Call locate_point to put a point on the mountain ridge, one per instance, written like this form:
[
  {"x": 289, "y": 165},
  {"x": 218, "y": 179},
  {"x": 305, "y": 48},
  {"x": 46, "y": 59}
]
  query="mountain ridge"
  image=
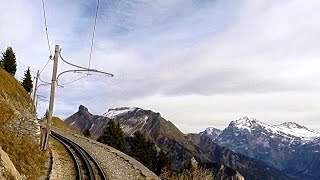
[
  {"x": 169, "y": 138},
  {"x": 281, "y": 146}
]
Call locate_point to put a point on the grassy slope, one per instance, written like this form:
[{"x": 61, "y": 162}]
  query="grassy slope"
[
  {"x": 25, "y": 155},
  {"x": 57, "y": 122}
]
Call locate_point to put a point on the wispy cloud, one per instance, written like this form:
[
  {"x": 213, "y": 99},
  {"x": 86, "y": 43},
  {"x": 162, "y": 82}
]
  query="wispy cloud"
[{"x": 191, "y": 51}]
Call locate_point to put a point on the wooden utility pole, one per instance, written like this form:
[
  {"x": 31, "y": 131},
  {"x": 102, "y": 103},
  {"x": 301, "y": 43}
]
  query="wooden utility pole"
[
  {"x": 51, "y": 103},
  {"x": 34, "y": 108},
  {"x": 54, "y": 83}
]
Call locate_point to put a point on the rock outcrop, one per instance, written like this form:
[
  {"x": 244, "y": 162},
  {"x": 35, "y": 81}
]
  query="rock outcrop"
[{"x": 7, "y": 169}]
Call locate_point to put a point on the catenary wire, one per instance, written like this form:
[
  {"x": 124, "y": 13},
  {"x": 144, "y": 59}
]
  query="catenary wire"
[
  {"x": 27, "y": 67},
  {"x": 74, "y": 80},
  {"x": 45, "y": 65},
  {"x": 93, "y": 33},
  {"x": 46, "y": 26}
]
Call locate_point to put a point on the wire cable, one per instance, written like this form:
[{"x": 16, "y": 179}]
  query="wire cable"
[
  {"x": 45, "y": 66},
  {"x": 93, "y": 33},
  {"x": 46, "y": 26},
  {"x": 27, "y": 67},
  {"x": 73, "y": 80},
  {"x": 44, "y": 81}
]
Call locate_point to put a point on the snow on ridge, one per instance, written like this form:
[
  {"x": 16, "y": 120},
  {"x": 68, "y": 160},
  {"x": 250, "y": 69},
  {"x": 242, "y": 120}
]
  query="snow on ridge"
[
  {"x": 288, "y": 129},
  {"x": 298, "y": 131},
  {"x": 212, "y": 131},
  {"x": 112, "y": 113}
]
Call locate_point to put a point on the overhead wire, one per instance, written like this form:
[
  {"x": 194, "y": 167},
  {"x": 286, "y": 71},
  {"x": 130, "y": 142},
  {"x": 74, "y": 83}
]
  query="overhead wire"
[
  {"x": 45, "y": 65},
  {"x": 46, "y": 26},
  {"x": 74, "y": 80},
  {"x": 91, "y": 47},
  {"x": 26, "y": 67},
  {"x": 93, "y": 33}
]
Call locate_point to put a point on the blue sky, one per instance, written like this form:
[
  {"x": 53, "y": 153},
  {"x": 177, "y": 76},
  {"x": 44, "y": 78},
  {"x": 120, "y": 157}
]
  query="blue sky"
[{"x": 199, "y": 63}]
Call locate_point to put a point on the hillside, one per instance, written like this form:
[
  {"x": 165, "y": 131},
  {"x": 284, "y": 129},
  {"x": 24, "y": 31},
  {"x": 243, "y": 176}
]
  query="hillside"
[
  {"x": 14, "y": 100},
  {"x": 16, "y": 138}
]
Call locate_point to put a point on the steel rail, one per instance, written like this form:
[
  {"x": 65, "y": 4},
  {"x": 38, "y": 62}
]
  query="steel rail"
[
  {"x": 73, "y": 157},
  {"x": 84, "y": 155}
]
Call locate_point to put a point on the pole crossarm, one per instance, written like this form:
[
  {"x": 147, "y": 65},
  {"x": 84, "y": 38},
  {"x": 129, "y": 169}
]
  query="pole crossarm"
[
  {"x": 54, "y": 83},
  {"x": 69, "y": 62},
  {"x": 81, "y": 69}
]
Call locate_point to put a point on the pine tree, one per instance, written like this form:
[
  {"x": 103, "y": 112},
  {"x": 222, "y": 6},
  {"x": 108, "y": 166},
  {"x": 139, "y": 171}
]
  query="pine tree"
[
  {"x": 144, "y": 151},
  {"x": 87, "y": 133},
  {"x": 8, "y": 61},
  {"x": 113, "y": 136},
  {"x": 27, "y": 81},
  {"x": 163, "y": 161}
]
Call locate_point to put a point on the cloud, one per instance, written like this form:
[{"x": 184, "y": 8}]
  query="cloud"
[{"x": 169, "y": 51}]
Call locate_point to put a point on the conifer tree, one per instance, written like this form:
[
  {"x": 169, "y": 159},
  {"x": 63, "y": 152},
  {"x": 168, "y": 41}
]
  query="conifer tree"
[
  {"x": 162, "y": 162},
  {"x": 87, "y": 133},
  {"x": 8, "y": 61},
  {"x": 27, "y": 81},
  {"x": 113, "y": 136},
  {"x": 144, "y": 150}
]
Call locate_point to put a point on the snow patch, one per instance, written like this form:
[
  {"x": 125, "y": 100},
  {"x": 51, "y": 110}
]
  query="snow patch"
[
  {"x": 289, "y": 130},
  {"x": 112, "y": 113}
]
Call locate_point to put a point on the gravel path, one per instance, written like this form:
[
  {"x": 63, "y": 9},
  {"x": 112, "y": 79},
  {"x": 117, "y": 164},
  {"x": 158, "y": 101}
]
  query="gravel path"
[
  {"x": 62, "y": 164},
  {"x": 116, "y": 165}
]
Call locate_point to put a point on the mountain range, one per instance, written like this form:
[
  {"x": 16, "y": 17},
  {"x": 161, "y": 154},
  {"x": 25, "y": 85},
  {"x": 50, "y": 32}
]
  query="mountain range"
[
  {"x": 181, "y": 147},
  {"x": 289, "y": 147}
]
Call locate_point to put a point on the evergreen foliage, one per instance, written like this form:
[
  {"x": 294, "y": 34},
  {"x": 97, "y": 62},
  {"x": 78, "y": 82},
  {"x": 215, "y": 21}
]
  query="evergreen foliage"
[
  {"x": 8, "y": 61},
  {"x": 87, "y": 133},
  {"x": 162, "y": 162},
  {"x": 27, "y": 81},
  {"x": 144, "y": 151},
  {"x": 113, "y": 136}
]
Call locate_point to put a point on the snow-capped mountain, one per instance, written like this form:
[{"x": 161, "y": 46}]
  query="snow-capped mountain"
[
  {"x": 278, "y": 145},
  {"x": 287, "y": 130},
  {"x": 169, "y": 138},
  {"x": 132, "y": 118},
  {"x": 211, "y": 132}
]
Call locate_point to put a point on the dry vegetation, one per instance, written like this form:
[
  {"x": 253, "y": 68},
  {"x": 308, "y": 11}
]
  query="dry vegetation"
[
  {"x": 24, "y": 154},
  {"x": 57, "y": 122},
  {"x": 12, "y": 97},
  {"x": 197, "y": 173}
]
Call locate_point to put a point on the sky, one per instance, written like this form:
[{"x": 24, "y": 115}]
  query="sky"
[{"x": 200, "y": 63}]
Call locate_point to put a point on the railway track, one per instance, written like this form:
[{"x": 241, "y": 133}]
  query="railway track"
[{"x": 85, "y": 166}]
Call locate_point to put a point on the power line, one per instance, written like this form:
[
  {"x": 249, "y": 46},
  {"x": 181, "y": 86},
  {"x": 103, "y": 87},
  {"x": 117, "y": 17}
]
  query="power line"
[
  {"x": 26, "y": 67},
  {"x": 93, "y": 33},
  {"x": 74, "y": 80},
  {"x": 46, "y": 25},
  {"x": 45, "y": 65}
]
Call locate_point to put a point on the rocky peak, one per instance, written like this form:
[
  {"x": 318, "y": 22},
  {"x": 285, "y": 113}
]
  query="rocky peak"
[
  {"x": 246, "y": 121},
  {"x": 211, "y": 132},
  {"x": 83, "y": 109}
]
